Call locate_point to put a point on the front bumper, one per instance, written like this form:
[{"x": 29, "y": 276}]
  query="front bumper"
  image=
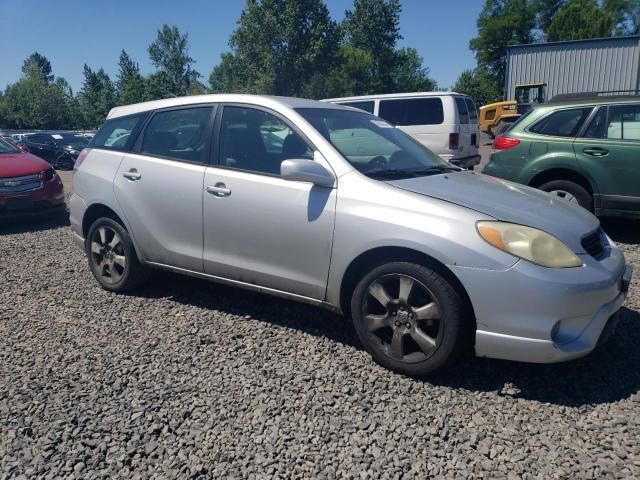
[
  {"x": 48, "y": 198},
  {"x": 534, "y": 314}
]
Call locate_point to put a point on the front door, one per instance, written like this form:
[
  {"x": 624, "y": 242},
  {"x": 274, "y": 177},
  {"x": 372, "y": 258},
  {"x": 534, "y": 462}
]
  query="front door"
[
  {"x": 259, "y": 228},
  {"x": 609, "y": 152},
  {"x": 160, "y": 186}
]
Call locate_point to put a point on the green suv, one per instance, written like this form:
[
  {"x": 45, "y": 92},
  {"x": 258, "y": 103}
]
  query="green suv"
[{"x": 586, "y": 151}]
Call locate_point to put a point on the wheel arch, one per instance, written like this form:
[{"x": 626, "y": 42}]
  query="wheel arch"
[
  {"x": 562, "y": 174},
  {"x": 381, "y": 255},
  {"x": 98, "y": 210}
]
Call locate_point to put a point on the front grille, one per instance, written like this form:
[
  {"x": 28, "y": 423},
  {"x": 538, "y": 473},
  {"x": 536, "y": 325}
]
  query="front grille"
[
  {"x": 593, "y": 243},
  {"x": 25, "y": 183}
]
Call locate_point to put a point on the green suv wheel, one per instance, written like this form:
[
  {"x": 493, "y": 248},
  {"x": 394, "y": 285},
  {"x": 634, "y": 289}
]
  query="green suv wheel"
[{"x": 569, "y": 191}]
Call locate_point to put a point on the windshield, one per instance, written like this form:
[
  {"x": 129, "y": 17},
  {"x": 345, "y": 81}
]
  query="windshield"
[
  {"x": 370, "y": 144},
  {"x": 6, "y": 147}
]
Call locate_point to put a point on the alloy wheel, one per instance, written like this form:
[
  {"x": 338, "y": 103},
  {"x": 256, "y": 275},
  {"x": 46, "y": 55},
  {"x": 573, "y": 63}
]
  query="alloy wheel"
[
  {"x": 564, "y": 195},
  {"x": 107, "y": 254},
  {"x": 404, "y": 318}
]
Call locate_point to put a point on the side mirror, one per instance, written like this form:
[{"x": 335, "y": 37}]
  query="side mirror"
[{"x": 299, "y": 170}]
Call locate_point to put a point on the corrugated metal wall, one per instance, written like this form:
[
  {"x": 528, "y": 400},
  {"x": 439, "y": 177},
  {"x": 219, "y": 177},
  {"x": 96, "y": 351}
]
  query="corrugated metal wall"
[{"x": 580, "y": 66}]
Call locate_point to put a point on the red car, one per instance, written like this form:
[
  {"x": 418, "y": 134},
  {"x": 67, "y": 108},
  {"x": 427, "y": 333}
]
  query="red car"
[{"x": 28, "y": 184}]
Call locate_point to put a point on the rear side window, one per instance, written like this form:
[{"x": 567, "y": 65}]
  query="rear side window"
[
  {"x": 365, "y": 106},
  {"x": 412, "y": 111},
  {"x": 463, "y": 113},
  {"x": 624, "y": 122},
  {"x": 562, "y": 123},
  {"x": 179, "y": 134},
  {"x": 117, "y": 134},
  {"x": 473, "y": 112}
]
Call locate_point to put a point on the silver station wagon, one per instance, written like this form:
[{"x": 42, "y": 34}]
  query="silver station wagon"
[{"x": 332, "y": 206}]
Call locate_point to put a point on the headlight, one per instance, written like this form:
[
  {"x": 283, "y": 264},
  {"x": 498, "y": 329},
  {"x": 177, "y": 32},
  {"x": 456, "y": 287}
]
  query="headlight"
[{"x": 529, "y": 243}]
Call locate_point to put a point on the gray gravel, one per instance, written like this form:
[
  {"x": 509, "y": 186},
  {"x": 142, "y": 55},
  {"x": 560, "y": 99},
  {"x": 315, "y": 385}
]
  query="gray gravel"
[{"x": 187, "y": 379}]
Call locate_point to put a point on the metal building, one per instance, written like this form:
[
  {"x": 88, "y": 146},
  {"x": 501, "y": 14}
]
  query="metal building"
[{"x": 575, "y": 66}]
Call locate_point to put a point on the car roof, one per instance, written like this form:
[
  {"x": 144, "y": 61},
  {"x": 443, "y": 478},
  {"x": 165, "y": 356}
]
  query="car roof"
[
  {"x": 260, "y": 100},
  {"x": 394, "y": 95},
  {"x": 591, "y": 100}
]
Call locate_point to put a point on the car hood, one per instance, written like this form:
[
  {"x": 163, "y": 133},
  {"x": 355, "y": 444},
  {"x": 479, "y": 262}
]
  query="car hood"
[
  {"x": 18, "y": 164},
  {"x": 508, "y": 202}
]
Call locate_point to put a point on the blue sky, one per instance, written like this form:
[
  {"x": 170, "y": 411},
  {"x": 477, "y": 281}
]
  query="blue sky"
[{"x": 73, "y": 32}]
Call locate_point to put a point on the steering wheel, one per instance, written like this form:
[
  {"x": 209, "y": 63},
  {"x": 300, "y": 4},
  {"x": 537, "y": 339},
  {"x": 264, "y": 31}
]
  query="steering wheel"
[{"x": 377, "y": 163}]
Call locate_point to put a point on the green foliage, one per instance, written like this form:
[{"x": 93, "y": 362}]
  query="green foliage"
[
  {"x": 130, "y": 85},
  {"x": 292, "y": 47},
  {"x": 96, "y": 97},
  {"x": 42, "y": 64},
  {"x": 479, "y": 85},
  {"x": 169, "y": 53},
  {"x": 580, "y": 19}
]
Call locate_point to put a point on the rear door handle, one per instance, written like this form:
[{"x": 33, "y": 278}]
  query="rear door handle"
[
  {"x": 219, "y": 190},
  {"x": 596, "y": 151},
  {"x": 132, "y": 175}
]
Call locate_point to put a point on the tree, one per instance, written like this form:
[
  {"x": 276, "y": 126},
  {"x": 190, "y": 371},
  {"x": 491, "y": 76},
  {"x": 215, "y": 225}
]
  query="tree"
[
  {"x": 96, "y": 97},
  {"x": 501, "y": 23},
  {"x": 408, "y": 73},
  {"x": 625, "y": 15},
  {"x": 374, "y": 27},
  {"x": 580, "y": 19},
  {"x": 278, "y": 47},
  {"x": 130, "y": 85},
  {"x": 545, "y": 10},
  {"x": 169, "y": 53},
  {"x": 479, "y": 85},
  {"x": 42, "y": 64}
]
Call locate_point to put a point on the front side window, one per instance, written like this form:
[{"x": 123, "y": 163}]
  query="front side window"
[
  {"x": 366, "y": 106},
  {"x": 562, "y": 123},
  {"x": 371, "y": 145},
  {"x": 115, "y": 134},
  {"x": 412, "y": 111},
  {"x": 257, "y": 141},
  {"x": 624, "y": 122},
  {"x": 178, "y": 134}
]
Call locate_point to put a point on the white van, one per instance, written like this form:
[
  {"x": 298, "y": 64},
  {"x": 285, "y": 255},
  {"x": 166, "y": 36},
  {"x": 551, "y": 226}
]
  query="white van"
[{"x": 445, "y": 122}]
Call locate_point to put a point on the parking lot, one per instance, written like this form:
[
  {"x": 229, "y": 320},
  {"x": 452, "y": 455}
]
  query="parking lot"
[{"x": 186, "y": 378}]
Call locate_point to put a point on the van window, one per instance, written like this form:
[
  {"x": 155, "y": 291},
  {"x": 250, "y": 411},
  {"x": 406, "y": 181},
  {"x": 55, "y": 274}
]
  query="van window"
[
  {"x": 116, "y": 134},
  {"x": 463, "y": 113},
  {"x": 473, "y": 112},
  {"x": 178, "y": 134},
  {"x": 562, "y": 123},
  {"x": 365, "y": 106},
  {"x": 412, "y": 111}
]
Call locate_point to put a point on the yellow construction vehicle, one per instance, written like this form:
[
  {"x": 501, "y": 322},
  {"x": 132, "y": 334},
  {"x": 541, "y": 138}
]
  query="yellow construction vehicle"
[{"x": 495, "y": 118}]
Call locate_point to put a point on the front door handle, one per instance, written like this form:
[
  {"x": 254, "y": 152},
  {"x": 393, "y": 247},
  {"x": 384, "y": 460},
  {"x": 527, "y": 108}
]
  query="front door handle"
[
  {"x": 132, "y": 175},
  {"x": 219, "y": 190},
  {"x": 596, "y": 151}
]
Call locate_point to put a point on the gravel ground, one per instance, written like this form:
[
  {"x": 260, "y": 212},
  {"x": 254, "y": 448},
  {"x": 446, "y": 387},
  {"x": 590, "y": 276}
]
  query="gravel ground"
[{"x": 187, "y": 379}]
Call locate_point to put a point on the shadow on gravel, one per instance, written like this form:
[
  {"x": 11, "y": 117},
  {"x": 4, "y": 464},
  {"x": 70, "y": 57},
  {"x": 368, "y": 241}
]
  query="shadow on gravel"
[
  {"x": 609, "y": 374},
  {"x": 34, "y": 223},
  {"x": 285, "y": 313},
  {"x": 622, "y": 229}
]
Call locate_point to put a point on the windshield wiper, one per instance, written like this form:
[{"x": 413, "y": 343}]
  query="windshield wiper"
[
  {"x": 435, "y": 169},
  {"x": 391, "y": 172}
]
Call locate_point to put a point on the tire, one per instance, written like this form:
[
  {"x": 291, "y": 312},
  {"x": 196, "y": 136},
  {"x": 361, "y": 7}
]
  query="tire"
[
  {"x": 431, "y": 315},
  {"x": 578, "y": 193},
  {"x": 113, "y": 262}
]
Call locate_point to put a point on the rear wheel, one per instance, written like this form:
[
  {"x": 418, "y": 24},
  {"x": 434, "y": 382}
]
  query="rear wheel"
[
  {"x": 409, "y": 318},
  {"x": 112, "y": 257},
  {"x": 569, "y": 191}
]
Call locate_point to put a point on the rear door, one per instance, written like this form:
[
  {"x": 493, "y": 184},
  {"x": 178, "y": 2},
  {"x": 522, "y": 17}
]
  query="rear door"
[
  {"x": 608, "y": 150},
  {"x": 159, "y": 186},
  {"x": 422, "y": 118},
  {"x": 466, "y": 142},
  {"x": 474, "y": 128}
]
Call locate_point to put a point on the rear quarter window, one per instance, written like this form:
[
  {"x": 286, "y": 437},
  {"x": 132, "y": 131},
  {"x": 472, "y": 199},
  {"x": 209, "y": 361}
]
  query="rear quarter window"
[
  {"x": 473, "y": 111},
  {"x": 562, "y": 123},
  {"x": 463, "y": 112},
  {"x": 117, "y": 134},
  {"x": 412, "y": 111}
]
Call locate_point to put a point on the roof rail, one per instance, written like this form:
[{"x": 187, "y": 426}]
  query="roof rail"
[{"x": 600, "y": 95}]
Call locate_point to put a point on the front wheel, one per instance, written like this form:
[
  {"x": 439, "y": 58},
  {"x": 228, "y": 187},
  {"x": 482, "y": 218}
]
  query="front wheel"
[
  {"x": 112, "y": 257},
  {"x": 409, "y": 318}
]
